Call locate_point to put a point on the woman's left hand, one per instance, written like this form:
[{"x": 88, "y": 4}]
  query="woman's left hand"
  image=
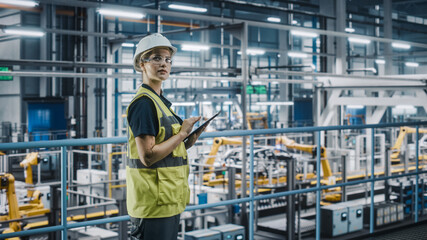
[{"x": 193, "y": 138}]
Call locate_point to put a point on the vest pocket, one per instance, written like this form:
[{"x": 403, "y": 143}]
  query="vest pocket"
[
  {"x": 171, "y": 184},
  {"x": 179, "y": 151}
]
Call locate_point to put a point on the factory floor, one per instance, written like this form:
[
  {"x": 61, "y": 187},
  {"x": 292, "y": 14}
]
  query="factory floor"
[{"x": 412, "y": 232}]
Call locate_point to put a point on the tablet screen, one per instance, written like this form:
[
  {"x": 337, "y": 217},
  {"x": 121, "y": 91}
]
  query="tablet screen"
[{"x": 201, "y": 126}]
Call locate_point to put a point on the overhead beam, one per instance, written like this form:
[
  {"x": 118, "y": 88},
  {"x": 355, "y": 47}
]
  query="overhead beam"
[
  {"x": 224, "y": 20},
  {"x": 378, "y": 101}
]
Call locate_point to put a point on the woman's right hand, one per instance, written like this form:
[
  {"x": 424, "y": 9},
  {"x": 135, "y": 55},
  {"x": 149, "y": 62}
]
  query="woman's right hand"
[{"x": 188, "y": 124}]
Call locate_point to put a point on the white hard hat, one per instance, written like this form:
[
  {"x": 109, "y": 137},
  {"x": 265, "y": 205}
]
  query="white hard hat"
[{"x": 147, "y": 43}]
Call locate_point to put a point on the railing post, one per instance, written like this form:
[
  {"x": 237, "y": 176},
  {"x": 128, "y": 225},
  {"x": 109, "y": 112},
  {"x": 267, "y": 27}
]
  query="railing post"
[
  {"x": 318, "y": 188},
  {"x": 251, "y": 188},
  {"x": 290, "y": 205},
  {"x": 231, "y": 192},
  {"x": 387, "y": 173},
  {"x": 371, "y": 224},
  {"x": 344, "y": 177},
  {"x": 64, "y": 192},
  {"x": 416, "y": 176}
]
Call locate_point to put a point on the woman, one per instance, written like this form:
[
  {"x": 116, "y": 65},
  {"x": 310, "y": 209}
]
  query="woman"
[{"x": 157, "y": 169}]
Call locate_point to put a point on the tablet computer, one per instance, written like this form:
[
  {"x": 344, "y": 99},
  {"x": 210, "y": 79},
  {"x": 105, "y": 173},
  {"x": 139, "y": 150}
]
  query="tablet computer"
[{"x": 203, "y": 125}]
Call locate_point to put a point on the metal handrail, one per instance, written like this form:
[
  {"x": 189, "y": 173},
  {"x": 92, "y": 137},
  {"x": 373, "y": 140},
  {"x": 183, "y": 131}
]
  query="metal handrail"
[{"x": 117, "y": 140}]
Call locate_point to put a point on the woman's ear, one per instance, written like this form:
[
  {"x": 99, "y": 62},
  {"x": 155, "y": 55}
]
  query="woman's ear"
[{"x": 141, "y": 64}]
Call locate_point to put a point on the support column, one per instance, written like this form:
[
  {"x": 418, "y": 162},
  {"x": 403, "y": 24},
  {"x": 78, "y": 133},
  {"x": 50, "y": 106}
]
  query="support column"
[
  {"x": 91, "y": 84},
  {"x": 340, "y": 62},
  {"x": 284, "y": 88},
  {"x": 245, "y": 74},
  {"x": 388, "y": 33}
]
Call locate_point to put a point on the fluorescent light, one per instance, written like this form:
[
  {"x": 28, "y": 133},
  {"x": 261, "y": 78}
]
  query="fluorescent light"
[
  {"x": 128, "y": 45},
  {"x": 274, "y": 82},
  {"x": 273, "y": 19},
  {"x": 379, "y": 61},
  {"x": 253, "y": 52},
  {"x": 401, "y": 45},
  {"x": 224, "y": 81},
  {"x": 297, "y": 54},
  {"x": 359, "y": 40},
  {"x": 405, "y": 106},
  {"x": 118, "y": 13},
  {"x": 304, "y": 34},
  {"x": 24, "y": 32},
  {"x": 355, "y": 106},
  {"x": 256, "y": 82},
  {"x": 412, "y": 64},
  {"x": 187, "y": 8},
  {"x": 294, "y": 22},
  {"x": 350, "y": 30},
  {"x": 275, "y": 103},
  {"x": 184, "y": 104},
  {"x": 207, "y": 103},
  {"x": 195, "y": 48},
  {"x": 22, "y": 3},
  {"x": 404, "y": 110},
  {"x": 228, "y": 103}
]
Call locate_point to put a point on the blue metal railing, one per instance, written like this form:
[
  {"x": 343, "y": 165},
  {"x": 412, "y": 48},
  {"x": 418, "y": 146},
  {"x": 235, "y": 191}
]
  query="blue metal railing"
[{"x": 63, "y": 144}]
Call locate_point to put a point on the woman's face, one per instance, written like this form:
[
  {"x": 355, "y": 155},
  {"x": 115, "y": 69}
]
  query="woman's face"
[{"x": 157, "y": 65}]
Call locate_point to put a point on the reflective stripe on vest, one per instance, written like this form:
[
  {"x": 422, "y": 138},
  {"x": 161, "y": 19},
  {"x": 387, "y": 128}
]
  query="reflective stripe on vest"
[{"x": 160, "y": 190}]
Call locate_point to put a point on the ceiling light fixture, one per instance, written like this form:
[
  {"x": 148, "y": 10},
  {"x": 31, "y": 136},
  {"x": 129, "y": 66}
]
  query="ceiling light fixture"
[
  {"x": 379, "y": 61},
  {"x": 405, "y": 106},
  {"x": 350, "y": 30},
  {"x": 183, "y": 104},
  {"x": 21, "y": 3},
  {"x": 359, "y": 40},
  {"x": 304, "y": 34},
  {"x": 130, "y": 45},
  {"x": 297, "y": 54},
  {"x": 274, "y": 19},
  {"x": 401, "y": 45},
  {"x": 28, "y": 32},
  {"x": 187, "y": 8},
  {"x": 118, "y": 13},
  {"x": 355, "y": 106},
  {"x": 275, "y": 103},
  {"x": 194, "y": 48},
  {"x": 253, "y": 52},
  {"x": 404, "y": 110},
  {"x": 412, "y": 64},
  {"x": 372, "y": 70}
]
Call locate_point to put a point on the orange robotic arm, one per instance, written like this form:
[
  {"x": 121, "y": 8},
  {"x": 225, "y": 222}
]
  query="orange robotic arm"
[
  {"x": 30, "y": 160},
  {"x": 399, "y": 141},
  {"x": 7, "y": 181},
  {"x": 309, "y": 149}
]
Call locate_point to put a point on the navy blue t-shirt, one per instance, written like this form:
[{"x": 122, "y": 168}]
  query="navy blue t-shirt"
[{"x": 142, "y": 115}]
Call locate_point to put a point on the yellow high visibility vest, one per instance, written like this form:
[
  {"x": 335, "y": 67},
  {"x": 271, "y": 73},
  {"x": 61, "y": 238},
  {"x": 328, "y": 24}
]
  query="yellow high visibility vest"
[{"x": 160, "y": 190}]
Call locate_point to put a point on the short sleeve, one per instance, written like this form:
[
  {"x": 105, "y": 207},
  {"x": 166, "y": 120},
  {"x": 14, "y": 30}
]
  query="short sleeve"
[{"x": 142, "y": 117}]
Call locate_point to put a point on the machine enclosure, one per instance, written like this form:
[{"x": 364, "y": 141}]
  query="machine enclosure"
[
  {"x": 203, "y": 234},
  {"x": 222, "y": 232},
  {"x": 342, "y": 218},
  {"x": 230, "y": 231},
  {"x": 334, "y": 220}
]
